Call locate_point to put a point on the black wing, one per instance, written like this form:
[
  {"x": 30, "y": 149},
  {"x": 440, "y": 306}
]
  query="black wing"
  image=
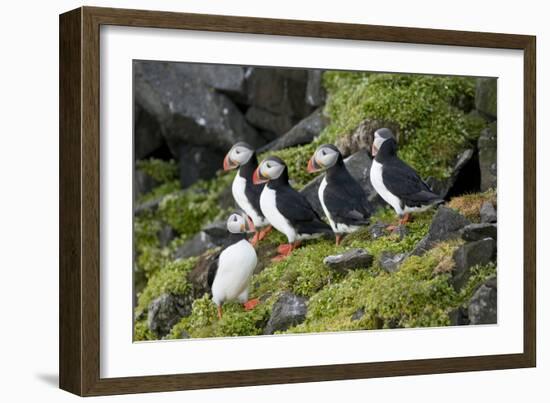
[
  {"x": 213, "y": 263},
  {"x": 403, "y": 181},
  {"x": 253, "y": 193},
  {"x": 296, "y": 209},
  {"x": 346, "y": 200}
]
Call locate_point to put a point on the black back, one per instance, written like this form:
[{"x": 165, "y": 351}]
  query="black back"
[
  {"x": 402, "y": 180},
  {"x": 344, "y": 198},
  {"x": 252, "y": 191},
  {"x": 295, "y": 207}
]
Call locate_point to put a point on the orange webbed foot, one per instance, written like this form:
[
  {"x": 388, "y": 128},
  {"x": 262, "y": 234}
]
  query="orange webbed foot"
[{"x": 251, "y": 304}]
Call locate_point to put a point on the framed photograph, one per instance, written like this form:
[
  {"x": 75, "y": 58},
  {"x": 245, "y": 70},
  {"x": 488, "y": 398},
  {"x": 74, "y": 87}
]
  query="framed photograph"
[{"x": 249, "y": 201}]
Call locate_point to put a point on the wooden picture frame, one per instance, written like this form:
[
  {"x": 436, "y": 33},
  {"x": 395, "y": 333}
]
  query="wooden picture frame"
[{"x": 79, "y": 201}]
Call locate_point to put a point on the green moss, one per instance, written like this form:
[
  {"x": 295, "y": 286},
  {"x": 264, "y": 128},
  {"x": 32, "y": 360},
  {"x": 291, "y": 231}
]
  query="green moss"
[
  {"x": 142, "y": 332},
  {"x": 302, "y": 273},
  {"x": 203, "y": 321},
  {"x": 160, "y": 170},
  {"x": 170, "y": 278},
  {"x": 433, "y": 130},
  {"x": 479, "y": 275},
  {"x": 412, "y": 297},
  {"x": 189, "y": 210}
]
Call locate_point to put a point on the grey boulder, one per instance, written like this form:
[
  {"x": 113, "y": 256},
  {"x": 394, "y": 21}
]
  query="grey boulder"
[
  {"x": 469, "y": 255},
  {"x": 302, "y": 133},
  {"x": 289, "y": 310},
  {"x": 167, "y": 310},
  {"x": 445, "y": 225},
  {"x": 486, "y": 97},
  {"x": 487, "y": 146},
  {"x": 487, "y": 213},
  {"x": 390, "y": 261},
  {"x": 476, "y": 232},
  {"x": 350, "y": 260},
  {"x": 482, "y": 309}
]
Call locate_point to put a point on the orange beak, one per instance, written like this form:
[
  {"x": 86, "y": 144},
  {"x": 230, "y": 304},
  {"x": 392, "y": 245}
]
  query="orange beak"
[
  {"x": 257, "y": 178},
  {"x": 228, "y": 164},
  {"x": 251, "y": 226},
  {"x": 312, "y": 166},
  {"x": 374, "y": 150}
]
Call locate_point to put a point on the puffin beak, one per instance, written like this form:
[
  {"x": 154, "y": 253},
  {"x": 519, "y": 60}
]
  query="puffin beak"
[
  {"x": 251, "y": 226},
  {"x": 312, "y": 165},
  {"x": 257, "y": 178},
  {"x": 228, "y": 164},
  {"x": 374, "y": 150}
]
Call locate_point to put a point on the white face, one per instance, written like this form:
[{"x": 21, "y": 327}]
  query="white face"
[
  {"x": 377, "y": 143},
  {"x": 240, "y": 155},
  {"x": 236, "y": 223},
  {"x": 271, "y": 169},
  {"x": 325, "y": 157}
]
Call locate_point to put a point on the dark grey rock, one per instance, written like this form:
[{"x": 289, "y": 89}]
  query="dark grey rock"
[
  {"x": 166, "y": 235},
  {"x": 487, "y": 213},
  {"x": 270, "y": 122},
  {"x": 315, "y": 92},
  {"x": 390, "y": 261},
  {"x": 359, "y": 167},
  {"x": 230, "y": 80},
  {"x": 445, "y": 225},
  {"x": 304, "y": 132},
  {"x": 349, "y": 260},
  {"x": 459, "y": 317},
  {"x": 216, "y": 229},
  {"x": 195, "y": 246},
  {"x": 198, "y": 162},
  {"x": 278, "y": 90},
  {"x": 147, "y": 133},
  {"x": 167, "y": 310},
  {"x": 482, "y": 309},
  {"x": 464, "y": 177},
  {"x": 189, "y": 111},
  {"x": 469, "y": 255},
  {"x": 358, "y": 314},
  {"x": 289, "y": 310},
  {"x": 476, "y": 232},
  {"x": 378, "y": 230},
  {"x": 362, "y": 137},
  {"x": 487, "y": 146},
  {"x": 143, "y": 183},
  {"x": 150, "y": 205},
  {"x": 486, "y": 97}
]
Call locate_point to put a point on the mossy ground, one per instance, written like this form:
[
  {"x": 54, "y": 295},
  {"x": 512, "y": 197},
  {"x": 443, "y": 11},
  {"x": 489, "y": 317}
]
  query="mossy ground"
[{"x": 434, "y": 127}]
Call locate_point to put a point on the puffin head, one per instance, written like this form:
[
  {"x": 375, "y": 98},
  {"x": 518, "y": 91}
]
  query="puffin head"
[
  {"x": 238, "y": 223},
  {"x": 383, "y": 136},
  {"x": 239, "y": 154},
  {"x": 324, "y": 157},
  {"x": 270, "y": 168}
]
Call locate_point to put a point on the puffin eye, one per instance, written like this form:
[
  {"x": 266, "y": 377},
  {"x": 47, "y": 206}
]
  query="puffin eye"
[
  {"x": 323, "y": 152},
  {"x": 268, "y": 166},
  {"x": 235, "y": 218}
]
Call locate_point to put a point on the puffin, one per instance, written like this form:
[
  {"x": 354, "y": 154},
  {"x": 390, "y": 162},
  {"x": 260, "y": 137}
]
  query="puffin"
[
  {"x": 343, "y": 200},
  {"x": 246, "y": 193},
  {"x": 230, "y": 271},
  {"x": 396, "y": 182},
  {"x": 286, "y": 209}
]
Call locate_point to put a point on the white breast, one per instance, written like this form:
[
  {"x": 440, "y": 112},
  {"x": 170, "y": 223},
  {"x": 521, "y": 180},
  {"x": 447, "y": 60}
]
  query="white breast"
[
  {"x": 378, "y": 184},
  {"x": 269, "y": 209},
  {"x": 238, "y": 190},
  {"x": 235, "y": 267},
  {"x": 321, "y": 194}
]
